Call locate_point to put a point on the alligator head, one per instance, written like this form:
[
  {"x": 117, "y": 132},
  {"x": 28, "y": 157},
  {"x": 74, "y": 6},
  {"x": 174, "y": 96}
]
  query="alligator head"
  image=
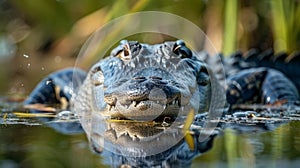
[
  {"x": 147, "y": 82},
  {"x": 142, "y": 83}
]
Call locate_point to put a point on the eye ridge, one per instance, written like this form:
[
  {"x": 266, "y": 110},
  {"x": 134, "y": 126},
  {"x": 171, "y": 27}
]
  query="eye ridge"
[{"x": 126, "y": 49}]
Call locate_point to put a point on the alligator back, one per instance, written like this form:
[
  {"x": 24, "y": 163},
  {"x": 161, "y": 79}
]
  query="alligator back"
[{"x": 287, "y": 64}]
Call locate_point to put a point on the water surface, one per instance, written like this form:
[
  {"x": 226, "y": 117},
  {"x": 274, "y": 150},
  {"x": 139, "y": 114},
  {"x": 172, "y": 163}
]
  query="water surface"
[{"x": 29, "y": 142}]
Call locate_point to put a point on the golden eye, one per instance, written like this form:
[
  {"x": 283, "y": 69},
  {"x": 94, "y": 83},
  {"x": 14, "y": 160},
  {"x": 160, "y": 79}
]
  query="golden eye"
[{"x": 125, "y": 53}]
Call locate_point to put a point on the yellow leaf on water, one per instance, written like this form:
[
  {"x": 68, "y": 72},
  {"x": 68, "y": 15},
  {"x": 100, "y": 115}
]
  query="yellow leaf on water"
[
  {"x": 22, "y": 114},
  {"x": 186, "y": 129},
  {"x": 189, "y": 120},
  {"x": 119, "y": 121},
  {"x": 190, "y": 141},
  {"x": 4, "y": 118}
]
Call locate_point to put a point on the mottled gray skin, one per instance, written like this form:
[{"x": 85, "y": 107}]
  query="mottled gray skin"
[
  {"x": 146, "y": 82},
  {"x": 154, "y": 82},
  {"x": 142, "y": 82},
  {"x": 151, "y": 82},
  {"x": 262, "y": 78}
]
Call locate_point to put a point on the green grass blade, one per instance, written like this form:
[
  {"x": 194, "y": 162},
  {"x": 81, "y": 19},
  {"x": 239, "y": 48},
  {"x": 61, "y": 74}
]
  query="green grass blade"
[{"x": 230, "y": 27}]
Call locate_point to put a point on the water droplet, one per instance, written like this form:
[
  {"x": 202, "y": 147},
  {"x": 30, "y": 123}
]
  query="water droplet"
[
  {"x": 25, "y": 56},
  {"x": 28, "y": 65},
  {"x": 57, "y": 59},
  {"x": 43, "y": 68}
]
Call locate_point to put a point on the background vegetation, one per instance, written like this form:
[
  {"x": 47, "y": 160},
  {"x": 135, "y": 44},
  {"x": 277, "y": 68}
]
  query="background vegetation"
[
  {"x": 40, "y": 36},
  {"x": 37, "y": 37}
]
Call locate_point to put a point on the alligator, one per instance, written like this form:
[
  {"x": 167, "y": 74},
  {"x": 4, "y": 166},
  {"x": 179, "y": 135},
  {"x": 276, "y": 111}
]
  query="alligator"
[{"x": 137, "y": 100}]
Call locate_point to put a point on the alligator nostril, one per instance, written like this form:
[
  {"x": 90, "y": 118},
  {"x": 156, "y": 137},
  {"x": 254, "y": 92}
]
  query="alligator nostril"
[
  {"x": 139, "y": 78},
  {"x": 155, "y": 77}
]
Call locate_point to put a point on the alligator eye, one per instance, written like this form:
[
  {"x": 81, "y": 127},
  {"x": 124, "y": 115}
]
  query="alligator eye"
[
  {"x": 127, "y": 50},
  {"x": 124, "y": 53},
  {"x": 182, "y": 50},
  {"x": 97, "y": 76}
]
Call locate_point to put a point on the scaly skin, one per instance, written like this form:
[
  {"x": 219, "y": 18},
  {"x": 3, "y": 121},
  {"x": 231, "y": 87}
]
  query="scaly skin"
[
  {"x": 145, "y": 82},
  {"x": 149, "y": 82},
  {"x": 154, "y": 82},
  {"x": 262, "y": 78}
]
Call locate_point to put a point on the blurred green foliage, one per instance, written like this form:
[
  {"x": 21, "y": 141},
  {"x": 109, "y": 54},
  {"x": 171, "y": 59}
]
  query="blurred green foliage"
[
  {"x": 56, "y": 17},
  {"x": 230, "y": 26},
  {"x": 51, "y": 30},
  {"x": 53, "y": 19},
  {"x": 286, "y": 26}
]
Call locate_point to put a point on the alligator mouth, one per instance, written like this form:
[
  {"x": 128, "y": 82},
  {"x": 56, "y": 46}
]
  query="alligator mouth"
[
  {"x": 138, "y": 131},
  {"x": 145, "y": 104},
  {"x": 137, "y": 138},
  {"x": 143, "y": 109}
]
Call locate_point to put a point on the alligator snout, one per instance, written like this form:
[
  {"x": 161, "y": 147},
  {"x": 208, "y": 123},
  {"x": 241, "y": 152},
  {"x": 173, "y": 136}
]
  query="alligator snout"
[
  {"x": 140, "y": 88},
  {"x": 148, "y": 81},
  {"x": 144, "y": 97},
  {"x": 144, "y": 88}
]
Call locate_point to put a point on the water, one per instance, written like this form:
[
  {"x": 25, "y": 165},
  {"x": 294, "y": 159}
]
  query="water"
[
  {"x": 29, "y": 142},
  {"x": 41, "y": 146},
  {"x": 273, "y": 148}
]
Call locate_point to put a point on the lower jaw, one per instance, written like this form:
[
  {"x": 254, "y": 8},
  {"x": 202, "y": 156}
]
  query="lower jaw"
[
  {"x": 138, "y": 143},
  {"x": 158, "y": 113}
]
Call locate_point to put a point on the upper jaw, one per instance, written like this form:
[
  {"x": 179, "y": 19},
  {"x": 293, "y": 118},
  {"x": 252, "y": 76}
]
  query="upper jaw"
[
  {"x": 143, "y": 109},
  {"x": 145, "y": 104},
  {"x": 149, "y": 92},
  {"x": 147, "y": 109}
]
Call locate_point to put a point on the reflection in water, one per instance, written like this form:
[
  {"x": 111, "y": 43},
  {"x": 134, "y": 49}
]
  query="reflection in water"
[
  {"x": 121, "y": 143},
  {"x": 26, "y": 142},
  {"x": 255, "y": 147},
  {"x": 146, "y": 144},
  {"x": 41, "y": 146}
]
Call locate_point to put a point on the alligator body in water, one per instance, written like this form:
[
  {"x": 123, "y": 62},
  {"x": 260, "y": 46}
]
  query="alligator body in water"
[{"x": 162, "y": 84}]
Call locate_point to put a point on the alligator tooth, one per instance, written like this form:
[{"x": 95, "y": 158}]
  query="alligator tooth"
[
  {"x": 164, "y": 107},
  {"x": 134, "y": 103},
  {"x": 176, "y": 101},
  {"x": 182, "y": 108},
  {"x": 173, "y": 102},
  {"x": 134, "y": 138},
  {"x": 109, "y": 107}
]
